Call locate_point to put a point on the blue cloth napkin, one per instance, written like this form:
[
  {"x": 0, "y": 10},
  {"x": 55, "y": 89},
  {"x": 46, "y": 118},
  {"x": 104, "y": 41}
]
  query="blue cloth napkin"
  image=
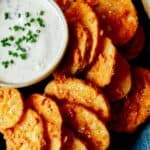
[{"x": 143, "y": 142}]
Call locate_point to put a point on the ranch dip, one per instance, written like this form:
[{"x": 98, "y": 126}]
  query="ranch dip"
[{"x": 31, "y": 36}]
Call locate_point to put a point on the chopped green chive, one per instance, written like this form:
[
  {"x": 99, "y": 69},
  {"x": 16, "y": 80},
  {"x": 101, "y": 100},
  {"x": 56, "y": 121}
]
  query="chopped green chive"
[
  {"x": 41, "y": 22},
  {"x": 32, "y": 20},
  {"x": 11, "y": 38},
  {"x": 12, "y": 61},
  {"x": 14, "y": 54},
  {"x": 27, "y": 24},
  {"x": 19, "y": 15},
  {"x": 17, "y": 28},
  {"x": 29, "y": 37},
  {"x": 5, "y": 42},
  {"x": 27, "y": 14},
  {"x": 42, "y": 12},
  {"x": 38, "y": 31},
  {"x": 23, "y": 56},
  {"x": 7, "y": 15},
  {"x": 5, "y": 64}
]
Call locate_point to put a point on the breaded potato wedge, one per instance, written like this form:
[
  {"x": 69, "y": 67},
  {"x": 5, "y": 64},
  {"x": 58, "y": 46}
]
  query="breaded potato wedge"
[
  {"x": 75, "y": 58},
  {"x": 71, "y": 142},
  {"x": 84, "y": 31},
  {"x": 82, "y": 12},
  {"x": 102, "y": 69},
  {"x": 11, "y": 107},
  {"x": 121, "y": 81},
  {"x": 135, "y": 46},
  {"x": 118, "y": 19},
  {"x": 87, "y": 125},
  {"x": 72, "y": 90},
  {"x": 49, "y": 110},
  {"x": 135, "y": 109},
  {"x": 27, "y": 134}
]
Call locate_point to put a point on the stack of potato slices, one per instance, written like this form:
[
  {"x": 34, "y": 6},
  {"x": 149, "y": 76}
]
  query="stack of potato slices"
[{"x": 93, "y": 90}]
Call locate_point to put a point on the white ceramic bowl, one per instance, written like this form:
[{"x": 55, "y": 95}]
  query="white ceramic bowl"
[{"x": 58, "y": 54}]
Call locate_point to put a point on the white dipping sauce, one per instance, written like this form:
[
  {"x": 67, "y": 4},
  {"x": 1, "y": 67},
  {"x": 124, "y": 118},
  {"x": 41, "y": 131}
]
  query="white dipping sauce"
[
  {"x": 146, "y": 4},
  {"x": 43, "y": 55}
]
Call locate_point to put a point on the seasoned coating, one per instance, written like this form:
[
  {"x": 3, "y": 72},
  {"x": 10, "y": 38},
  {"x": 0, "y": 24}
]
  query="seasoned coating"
[
  {"x": 27, "y": 134},
  {"x": 84, "y": 32},
  {"x": 75, "y": 58},
  {"x": 71, "y": 142},
  {"x": 11, "y": 107},
  {"x": 87, "y": 125},
  {"x": 72, "y": 90},
  {"x": 81, "y": 12},
  {"x": 48, "y": 109},
  {"x": 102, "y": 69},
  {"x": 121, "y": 82},
  {"x": 135, "y": 109},
  {"x": 118, "y": 19},
  {"x": 135, "y": 46}
]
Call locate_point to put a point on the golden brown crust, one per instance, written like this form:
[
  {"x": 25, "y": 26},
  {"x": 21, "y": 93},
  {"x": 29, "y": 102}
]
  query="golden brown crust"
[
  {"x": 102, "y": 69},
  {"x": 118, "y": 19},
  {"x": 11, "y": 107},
  {"x": 84, "y": 32},
  {"x": 135, "y": 109},
  {"x": 121, "y": 81},
  {"x": 48, "y": 109},
  {"x": 87, "y": 125},
  {"x": 27, "y": 134},
  {"x": 75, "y": 57},
  {"x": 81, "y": 12},
  {"x": 72, "y": 90}
]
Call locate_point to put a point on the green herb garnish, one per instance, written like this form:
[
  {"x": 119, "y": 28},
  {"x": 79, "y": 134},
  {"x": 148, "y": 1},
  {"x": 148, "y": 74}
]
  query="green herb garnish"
[
  {"x": 11, "y": 38},
  {"x": 23, "y": 56},
  {"x": 41, "y": 22},
  {"x": 17, "y": 28},
  {"x": 27, "y": 14},
  {"x": 19, "y": 51},
  {"x": 7, "y": 15},
  {"x": 19, "y": 15},
  {"x": 38, "y": 31},
  {"x": 5, "y": 42},
  {"x": 42, "y": 12},
  {"x": 32, "y": 20},
  {"x": 27, "y": 24},
  {"x": 12, "y": 53}
]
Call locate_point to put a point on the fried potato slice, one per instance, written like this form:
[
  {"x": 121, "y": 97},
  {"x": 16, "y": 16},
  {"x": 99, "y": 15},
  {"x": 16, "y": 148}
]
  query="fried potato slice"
[
  {"x": 121, "y": 81},
  {"x": 71, "y": 142},
  {"x": 84, "y": 31},
  {"x": 86, "y": 124},
  {"x": 72, "y": 90},
  {"x": 118, "y": 19},
  {"x": 82, "y": 12},
  {"x": 102, "y": 69},
  {"x": 27, "y": 134},
  {"x": 75, "y": 58},
  {"x": 49, "y": 110},
  {"x": 135, "y": 46},
  {"x": 11, "y": 107},
  {"x": 135, "y": 109}
]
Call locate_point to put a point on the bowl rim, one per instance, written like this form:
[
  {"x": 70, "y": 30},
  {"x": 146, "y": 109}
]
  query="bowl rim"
[{"x": 57, "y": 59}]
